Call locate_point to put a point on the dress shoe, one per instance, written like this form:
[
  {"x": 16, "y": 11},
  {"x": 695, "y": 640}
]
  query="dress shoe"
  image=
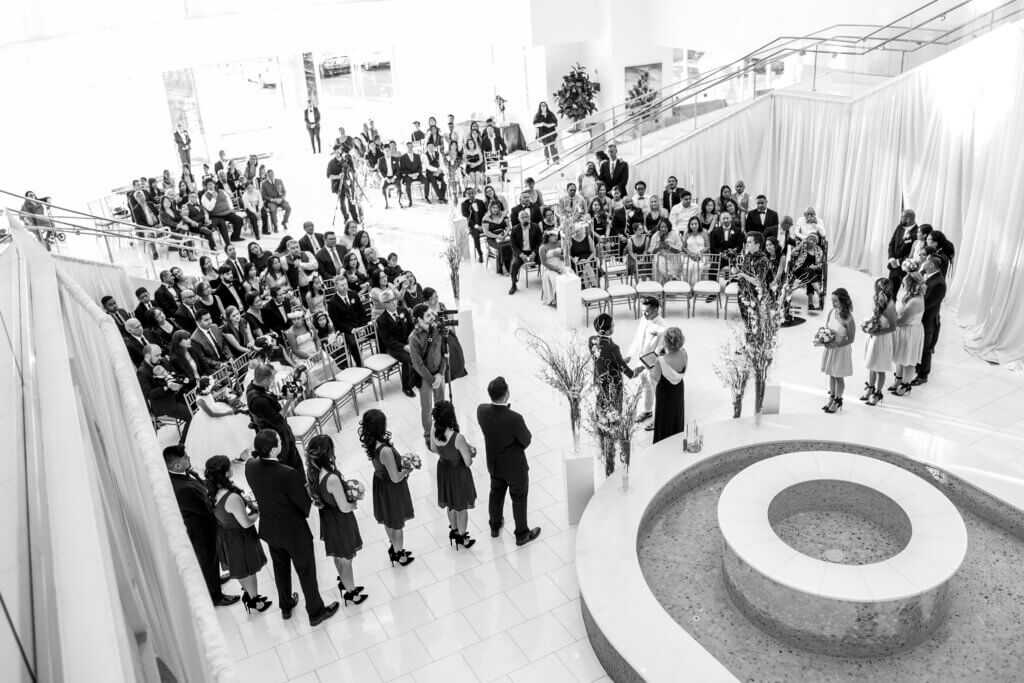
[
  {"x": 513, "y": 289},
  {"x": 530, "y": 535},
  {"x": 495, "y": 530},
  {"x": 649, "y": 428},
  {"x": 224, "y": 578},
  {"x": 286, "y": 610},
  {"x": 643, "y": 416},
  {"x": 225, "y": 600},
  {"x": 409, "y": 392},
  {"x": 918, "y": 381},
  {"x": 328, "y": 612}
]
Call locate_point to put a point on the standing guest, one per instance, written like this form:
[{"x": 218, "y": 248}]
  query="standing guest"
[
  {"x": 238, "y": 544},
  {"x": 935, "y": 292},
  {"x": 474, "y": 210},
  {"x": 525, "y": 240},
  {"x": 837, "y": 358},
  {"x": 428, "y": 362},
  {"x": 393, "y": 329},
  {"x": 670, "y": 389},
  {"x": 753, "y": 275},
  {"x": 546, "y": 125},
  {"x": 184, "y": 144},
  {"x": 506, "y": 439},
  {"x": 695, "y": 243},
  {"x": 135, "y": 341},
  {"x": 273, "y": 192},
  {"x": 761, "y": 218},
  {"x": 280, "y": 493},
  {"x": 724, "y": 195},
  {"x": 900, "y": 246},
  {"x": 878, "y": 350},
  {"x": 392, "y": 502},
  {"x": 200, "y": 521},
  {"x": 453, "y": 164},
  {"x": 456, "y": 492},
  {"x": 536, "y": 198},
  {"x": 615, "y": 171},
  {"x": 742, "y": 199},
  {"x": 649, "y": 338},
  {"x": 218, "y": 204},
  {"x": 640, "y": 197},
  {"x": 673, "y": 194},
  {"x": 588, "y": 181},
  {"x": 119, "y": 315},
  {"x": 908, "y": 341},
  {"x": 252, "y": 203},
  {"x": 339, "y": 529},
  {"x": 267, "y": 413},
  {"x": 311, "y": 116}
]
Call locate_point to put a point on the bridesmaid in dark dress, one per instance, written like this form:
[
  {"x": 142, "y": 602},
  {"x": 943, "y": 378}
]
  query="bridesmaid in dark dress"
[
  {"x": 238, "y": 545},
  {"x": 392, "y": 503},
  {"x": 669, "y": 403},
  {"x": 455, "y": 488},
  {"x": 338, "y": 527}
]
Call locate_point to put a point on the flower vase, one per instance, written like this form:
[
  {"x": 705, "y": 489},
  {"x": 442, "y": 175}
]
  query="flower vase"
[
  {"x": 574, "y": 423},
  {"x": 757, "y": 419},
  {"x": 608, "y": 455},
  {"x": 625, "y": 449},
  {"x": 455, "y": 284}
]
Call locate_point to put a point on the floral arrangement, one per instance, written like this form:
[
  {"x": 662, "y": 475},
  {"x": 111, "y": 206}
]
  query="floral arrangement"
[
  {"x": 824, "y": 336},
  {"x": 565, "y": 367},
  {"x": 910, "y": 266},
  {"x": 453, "y": 249},
  {"x": 500, "y": 103},
  {"x": 871, "y": 325},
  {"x": 733, "y": 367},
  {"x": 354, "y": 490},
  {"x": 576, "y": 96},
  {"x": 766, "y": 311},
  {"x": 613, "y": 425},
  {"x": 411, "y": 461},
  {"x": 250, "y": 503}
]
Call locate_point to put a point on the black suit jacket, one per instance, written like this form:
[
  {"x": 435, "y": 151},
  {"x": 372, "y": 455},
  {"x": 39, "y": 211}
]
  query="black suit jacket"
[
  {"x": 141, "y": 310},
  {"x": 184, "y": 318},
  {"x": 136, "y": 349},
  {"x": 272, "y": 318},
  {"x": 935, "y": 292},
  {"x": 506, "y": 439},
  {"x": 166, "y": 300},
  {"x": 473, "y": 211},
  {"x": 536, "y": 215},
  {"x": 120, "y": 319},
  {"x": 238, "y": 265},
  {"x": 182, "y": 139},
  {"x": 753, "y": 224},
  {"x": 280, "y": 493},
  {"x": 230, "y": 295},
  {"x": 196, "y": 511},
  {"x": 394, "y": 334},
  {"x": 534, "y": 238},
  {"x": 670, "y": 199},
  {"x": 346, "y": 311},
  {"x": 326, "y": 265},
  {"x": 497, "y": 145},
  {"x": 719, "y": 243},
  {"x": 619, "y": 178},
  {"x": 307, "y": 243},
  {"x": 902, "y": 243},
  {"x": 162, "y": 400},
  {"x": 410, "y": 167},
  {"x": 382, "y": 167}
]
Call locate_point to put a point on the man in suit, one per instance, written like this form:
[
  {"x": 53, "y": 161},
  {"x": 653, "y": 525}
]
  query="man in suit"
[
  {"x": 194, "y": 217},
  {"x": 726, "y": 237},
  {"x": 267, "y": 412},
  {"x": 935, "y": 292},
  {"x": 284, "y": 504},
  {"x": 209, "y": 341},
  {"x": 163, "y": 395},
  {"x": 135, "y": 341},
  {"x": 273, "y": 192},
  {"x": 312, "y": 241},
  {"x": 394, "y": 326},
  {"x": 761, "y": 218},
  {"x": 492, "y": 142},
  {"x": 900, "y": 245},
  {"x": 410, "y": 166},
  {"x": 615, "y": 171},
  {"x": 312, "y": 118},
  {"x": 526, "y": 203},
  {"x": 222, "y": 162},
  {"x": 184, "y": 144},
  {"x": 187, "y": 315},
  {"x": 506, "y": 439},
  {"x": 200, "y": 522},
  {"x": 428, "y": 363},
  {"x": 145, "y": 304},
  {"x": 167, "y": 295},
  {"x": 625, "y": 216},
  {"x": 433, "y": 169},
  {"x": 228, "y": 292},
  {"x": 330, "y": 258},
  {"x": 275, "y": 312},
  {"x": 390, "y": 173},
  {"x": 672, "y": 195},
  {"x": 237, "y": 264},
  {"x": 119, "y": 315},
  {"x": 218, "y": 205},
  {"x": 347, "y": 313},
  {"x": 525, "y": 241}
]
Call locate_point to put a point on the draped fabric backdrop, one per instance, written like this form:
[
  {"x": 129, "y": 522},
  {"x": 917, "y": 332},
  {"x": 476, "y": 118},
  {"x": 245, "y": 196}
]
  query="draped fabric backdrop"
[
  {"x": 100, "y": 279},
  {"x": 944, "y": 139}
]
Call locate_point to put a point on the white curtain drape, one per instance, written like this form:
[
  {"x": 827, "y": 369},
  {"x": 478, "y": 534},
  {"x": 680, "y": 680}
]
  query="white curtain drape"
[
  {"x": 943, "y": 139},
  {"x": 100, "y": 279}
]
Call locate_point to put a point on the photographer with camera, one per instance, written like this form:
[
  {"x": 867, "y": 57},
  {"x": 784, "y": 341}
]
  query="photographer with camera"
[
  {"x": 427, "y": 354},
  {"x": 161, "y": 389},
  {"x": 341, "y": 173},
  {"x": 267, "y": 412}
]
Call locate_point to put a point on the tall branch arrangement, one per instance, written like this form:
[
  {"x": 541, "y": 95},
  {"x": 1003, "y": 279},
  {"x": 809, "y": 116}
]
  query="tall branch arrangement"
[
  {"x": 565, "y": 362},
  {"x": 614, "y": 427},
  {"x": 453, "y": 249},
  {"x": 733, "y": 367}
]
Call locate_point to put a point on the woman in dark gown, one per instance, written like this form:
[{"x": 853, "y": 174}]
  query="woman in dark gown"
[
  {"x": 456, "y": 493},
  {"x": 669, "y": 391},
  {"x": 238, "y": 545},
  {"x": 338, "y": 527},
  {"x": 392, "y": 503}
]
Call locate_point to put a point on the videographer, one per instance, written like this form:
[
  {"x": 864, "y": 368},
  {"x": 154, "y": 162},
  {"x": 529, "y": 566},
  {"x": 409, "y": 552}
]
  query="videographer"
[
  {"x": 428, "y": 362},
  {"x": 341, "y": 173},
  {"x": 266, "y": 412}
]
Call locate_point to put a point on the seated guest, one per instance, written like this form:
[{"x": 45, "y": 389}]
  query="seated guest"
[
  {"x": 135, "y": 341},
  {"x": 526, "y": 204},
  {"x": 599, "y": 219},
  {"x": 624, "y": 217},
  {"x": 145, "y": 216},
  {"x": 300, "y": 267},
  {"x": 276, "y": 310},
  {"x": 640, "y": 197},
  {"x": 193, "y": 216},
  {"x": 393, "y": 329},
  {"x": 493, "y": 143},
  {"x": 119, "y": 315},
  {"x": 474, "y": 210},
  {"x": 347, "y": 313},
  {"x": 525, "y": 240},
  {"x": 253, "y": 315},
  {"x": 275, "y": 275},
  {"x": 219, "y": 206},
  {"x": 347, "y": 239},
  {"x": 380, "y": 284},
  {"x": 329, "y": 259},
  {"x": 805, "y": 265},
  {"x": 373, "y": 261},
  {"x": 390, "y": 172},
  {"x": 572, "y": 205},
  {"x": 252, "y": 204},
  {"x": 171, "y": 219},
  {"x": 273, "y": 192},
  {"x": 536, "y": 198},
  {"x": 352, "y": 271},
  {"x": 809, "y": 224},
  {"x": 761, "y": 218},
  {"x": 673, "y": 194},
  {"x": 208, "y": 342},
  {"x": 411, "y": 168},
  {"x": 392, "y": 268},
  {"x": 682, "y": 212},
  {"x": 491, "y": 195},
  {"x": 322, "y": 327},
  {"x": 315, "y": 299},
  {"x": 581, "y": 251},
  {"x": 549, "y": 223},
  {"x": 142, "y": 294},
  {"x": 229, "y": 292},
  {"x": 311, "y": 241},
  {"x": 238, "y": 338},
  {"x": 165, "y": 395},
  {"x": 495, "y": 227},
  {"x": 167, "y": 295},
  {"x": 413, "y": 291},
  {"x": 206, "y": 300},
  {"x": 726, "y": 240},
  {"x": 160, "y": 329}
]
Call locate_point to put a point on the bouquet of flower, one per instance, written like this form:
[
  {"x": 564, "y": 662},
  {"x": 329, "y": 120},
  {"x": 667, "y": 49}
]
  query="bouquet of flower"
[
  {"x": 354, "y": 490},
  {"x": 250, "y": 503},
  {"x": 824, "y": 336},
  {"x": 411, "y": 461},
  {"x": 910, "y": 266},
  {"x": 872, "y": 325}
]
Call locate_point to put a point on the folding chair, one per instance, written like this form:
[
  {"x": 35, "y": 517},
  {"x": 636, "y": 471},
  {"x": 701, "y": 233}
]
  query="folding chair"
[
  {"x": 593, "y": 296},
  {"x": 678, "y": 288},
  {"x": 320, "y": 409},
  {"x": 348, "y": 373},
  {"x": 644, "y": 282},
  {"x": 615, "y": 267},
  {"x": 382, "y": 365},
  {"x": 708, "y": 284}
]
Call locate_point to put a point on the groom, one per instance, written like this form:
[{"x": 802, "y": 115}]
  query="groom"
[{"x": 506, "y": 439}]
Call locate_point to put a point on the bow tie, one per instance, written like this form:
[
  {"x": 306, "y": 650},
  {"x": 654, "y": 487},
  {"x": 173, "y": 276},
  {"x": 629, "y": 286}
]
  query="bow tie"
[{"x": 761, "y": 210}]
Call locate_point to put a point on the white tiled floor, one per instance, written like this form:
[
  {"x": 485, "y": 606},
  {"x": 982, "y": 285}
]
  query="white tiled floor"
[{"x": 498, "y": 612}]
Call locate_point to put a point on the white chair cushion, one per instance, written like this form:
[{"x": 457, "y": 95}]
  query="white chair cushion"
[
  {"x": 314, "y": 407},
  {"x": 593, "y": 294},
  {"x": 620, "y": 289},
  {"x": 300, "y": 424},
  {"x": 677, "y": 287},
  {"x": 379, "y": 362},
  {"x": 335, "y": 391},
  {"x": 648, "y": 287},
  {"x": 732, "y": 289},
  {"x": 710, "y": 287},
  {"x": 354, "y": 375}
]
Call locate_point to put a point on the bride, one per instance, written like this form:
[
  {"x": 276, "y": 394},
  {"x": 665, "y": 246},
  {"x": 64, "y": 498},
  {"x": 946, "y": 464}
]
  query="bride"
[
  {"x": 552, "y": 264},
  {"x": 218, "y": 427}
]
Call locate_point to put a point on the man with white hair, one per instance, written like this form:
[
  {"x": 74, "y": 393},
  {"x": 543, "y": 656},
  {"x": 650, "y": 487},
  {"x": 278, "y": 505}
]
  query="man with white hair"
[
  {"x": 135, "y": 341},
  {"x": 808, "y": 224}
]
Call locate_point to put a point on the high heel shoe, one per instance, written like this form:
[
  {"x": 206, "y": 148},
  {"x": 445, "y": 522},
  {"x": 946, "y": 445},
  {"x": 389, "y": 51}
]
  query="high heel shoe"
[
  {"x": 837, "y": 406},
  {"x": 402, "y": 557},
  {"x": 465, "y": 541},
  {"x": 897, "y": 380},
  {"x": 258, "y": 603},
  {"x": 453, "y": 536},
  {"x": 903, "y": 389},
  {"x": 831, "y": 398},
  {"x": 869, "y": 391},
  {"x": 354, "y": 595},
  {"x": 875, "y": 398},
  {"x": 355, "y": 589}
]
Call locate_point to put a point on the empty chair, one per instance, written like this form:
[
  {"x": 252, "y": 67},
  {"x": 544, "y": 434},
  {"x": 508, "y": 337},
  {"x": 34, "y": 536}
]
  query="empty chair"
[
  {"x": 644, "y": 282},
  {"x": 616, "y": 286},
  {"x": 381, "y": 365},
  {"x": 706, "y": 287},
  {"x": 593, "y": 296},
  {"x": 677, "y": 288}
]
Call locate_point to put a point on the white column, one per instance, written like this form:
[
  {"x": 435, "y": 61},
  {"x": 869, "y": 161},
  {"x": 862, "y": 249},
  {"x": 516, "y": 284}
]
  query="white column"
[
  {"x": 466, "y": 335},
  {"x": 567, "y": 293}
]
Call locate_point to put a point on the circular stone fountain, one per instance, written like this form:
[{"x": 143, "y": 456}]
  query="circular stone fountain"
[{"x": 839, "y": 553}]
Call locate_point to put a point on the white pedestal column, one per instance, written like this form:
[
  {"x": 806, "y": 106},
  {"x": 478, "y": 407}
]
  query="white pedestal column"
[
  {"x": 772, "y": 399},
  {"x": 466, "y": 335},
  {"x": 579, "y": 477},
  {"x": 567, "y": 292}
]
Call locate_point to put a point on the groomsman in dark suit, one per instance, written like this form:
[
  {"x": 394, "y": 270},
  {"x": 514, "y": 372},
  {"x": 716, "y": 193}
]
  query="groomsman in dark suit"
[
  {"x": 275, "y": 312},
  {"x": 762, "y": 217},
  {"x": 525, "y": 241},
  {"x": 145, "y": 304},
  {"x": 312, "y": 241},
  {"x": 347, "y": 313},
  {"x": 411, "y": 168},
  {"x": 119, "y": 315},
  {"x": 209, "y": 342},
  {"x": 614, "y": 172},
  {"x": 394, "y": 326},
  {"x": 284, "y": 504},
  {"x": 187, "y": 315},
  {"x": 935, "y": 292},
  {"x": 506, "y": 439},
  {"x": 900, "y": 245},
  {"x": 330, "y": 258},
  {"x": 228, "y": 291},
  {"x": 184, "y": 144},
  {"x": 311, "y": 116},
  {"x": 200, "y": 522}
]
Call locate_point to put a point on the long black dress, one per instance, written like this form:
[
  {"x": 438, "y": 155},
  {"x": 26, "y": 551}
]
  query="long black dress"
[
  {"x": 338, "y": 530},
  {"x": 238, "y": 548},
  {"x": 455, "y": 488},
  {"x": 669, "y": 408},
  {"x": 392, "y": 503}
]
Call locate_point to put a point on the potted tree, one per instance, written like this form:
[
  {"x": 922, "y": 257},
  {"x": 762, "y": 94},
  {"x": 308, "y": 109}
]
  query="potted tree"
[{"x": 575, "y": 99}]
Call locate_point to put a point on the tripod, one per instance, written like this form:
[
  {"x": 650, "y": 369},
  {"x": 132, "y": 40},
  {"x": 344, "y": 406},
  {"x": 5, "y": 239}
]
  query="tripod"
[{"x": 351, "y": 191}]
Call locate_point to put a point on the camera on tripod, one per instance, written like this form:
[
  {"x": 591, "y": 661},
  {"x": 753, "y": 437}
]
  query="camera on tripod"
[{"x": 447, "y": 319}]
